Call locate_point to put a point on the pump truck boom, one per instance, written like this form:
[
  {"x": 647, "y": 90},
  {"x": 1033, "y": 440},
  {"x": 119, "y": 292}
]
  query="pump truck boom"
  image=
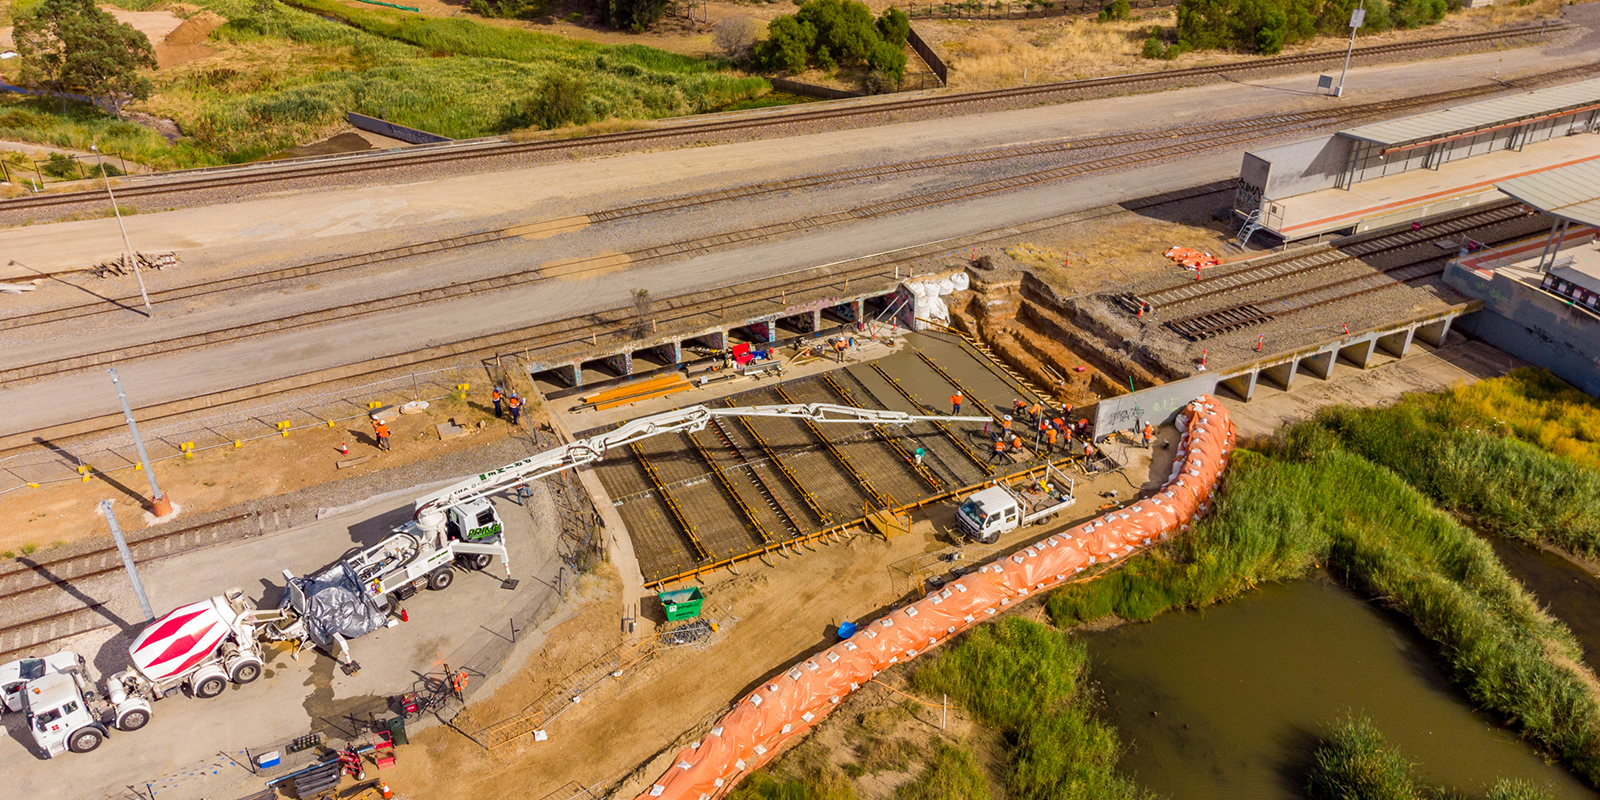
[
  {"x": 457, "y": 524},
  {"x": 204, "y": 645}
]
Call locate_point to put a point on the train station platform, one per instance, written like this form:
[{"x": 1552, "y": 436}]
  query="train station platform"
[{"x": 1421, "y": 193}]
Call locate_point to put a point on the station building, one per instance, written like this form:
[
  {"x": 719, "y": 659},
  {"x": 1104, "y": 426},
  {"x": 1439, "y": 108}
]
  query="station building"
[
  {"x": 1541, "y": 296},
  {"x": 1387, "y": 173}
]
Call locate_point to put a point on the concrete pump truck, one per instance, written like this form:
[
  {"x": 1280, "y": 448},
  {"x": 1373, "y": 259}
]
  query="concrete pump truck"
[{"x": 205, "y": 645}]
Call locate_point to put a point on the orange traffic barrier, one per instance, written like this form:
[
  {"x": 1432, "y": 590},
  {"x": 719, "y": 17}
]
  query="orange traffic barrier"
[{"x": 781, "y": 710}]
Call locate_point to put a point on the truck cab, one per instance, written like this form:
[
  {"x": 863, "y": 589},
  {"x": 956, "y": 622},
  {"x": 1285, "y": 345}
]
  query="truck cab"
[
  {"x": 16, "y": 674},
  {"x": 59, "y": 715},
  {"x": 473, "y": 521},
  {"x": 989, "y": 513}
]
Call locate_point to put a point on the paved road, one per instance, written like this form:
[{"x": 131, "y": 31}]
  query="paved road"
[{"x": 243, "y": 237}]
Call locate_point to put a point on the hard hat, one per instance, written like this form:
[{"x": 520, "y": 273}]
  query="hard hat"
[{"x": 1008, "y": 416}]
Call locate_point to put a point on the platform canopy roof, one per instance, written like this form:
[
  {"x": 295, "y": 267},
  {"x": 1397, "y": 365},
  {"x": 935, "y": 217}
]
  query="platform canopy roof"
[
  {"x": 1479, "y": 117},
  {"x": 1571, "y": 192}
]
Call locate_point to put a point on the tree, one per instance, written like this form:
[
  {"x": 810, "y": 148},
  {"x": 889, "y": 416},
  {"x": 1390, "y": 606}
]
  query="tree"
[
  {"x": 895, "y": 26},
  {"x": 830, "y": 33},
  {"x": 734, "y": 37},
  {"x": 73, "y": 46},
  {"x": 788, "y": 45}
]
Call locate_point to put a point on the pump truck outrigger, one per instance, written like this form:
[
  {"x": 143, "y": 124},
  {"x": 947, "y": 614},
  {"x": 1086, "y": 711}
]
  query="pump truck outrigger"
[{"x": 207, "y": 644}]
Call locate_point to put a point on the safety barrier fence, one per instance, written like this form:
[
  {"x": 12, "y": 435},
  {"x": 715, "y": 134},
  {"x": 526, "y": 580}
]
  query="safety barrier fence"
[{"x": 230, "y": 430}]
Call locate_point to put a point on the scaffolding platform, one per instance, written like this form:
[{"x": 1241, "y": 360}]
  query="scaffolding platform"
[{"x": 1421, "y": 193}]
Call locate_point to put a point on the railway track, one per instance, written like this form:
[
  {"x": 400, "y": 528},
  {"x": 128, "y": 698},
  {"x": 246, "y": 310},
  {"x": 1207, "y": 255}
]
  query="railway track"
[
  {"x": 1184, "y": 292},
  {"x": 1418, "y": 259},
  {"x": 1164, "y": 147},
  {"x": 477, "y": 150},
  {"x": 28, "y": 581},
  {"x": 343, "y": 263}
]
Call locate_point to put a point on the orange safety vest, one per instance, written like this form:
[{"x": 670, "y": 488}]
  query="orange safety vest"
[
  {"x": 955, "y": 399},
  {"x": 1035, "y": 409},
  {"x": 999, "y": 445},
  {"x": 1060, "y": 423},
  {"x": 495, "y": 394},
  {"x": 381, "y": 429},
  {"x": 1149, "y": 432},
  {"x": 1006, "y": 424},
  {"x": 1051, "y": 436},
  {"x": 1016, "y": 443},
  {"x": 514, "y": 402}
]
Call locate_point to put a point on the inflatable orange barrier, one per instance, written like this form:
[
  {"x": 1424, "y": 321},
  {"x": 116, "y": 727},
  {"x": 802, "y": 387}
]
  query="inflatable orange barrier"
[{"x": 785, "y": 708}]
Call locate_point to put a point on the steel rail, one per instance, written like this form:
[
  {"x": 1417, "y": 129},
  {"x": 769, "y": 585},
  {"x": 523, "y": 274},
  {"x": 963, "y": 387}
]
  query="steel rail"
[{"x": 487, "y": 149}]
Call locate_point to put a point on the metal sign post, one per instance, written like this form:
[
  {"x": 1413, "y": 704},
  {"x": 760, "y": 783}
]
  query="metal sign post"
[
  {"x": 1357, "y": 18},
  {"x": 133, "y": 260},
  {"x": 159, "y": 504},
  {"x": 127, "y": 560}
]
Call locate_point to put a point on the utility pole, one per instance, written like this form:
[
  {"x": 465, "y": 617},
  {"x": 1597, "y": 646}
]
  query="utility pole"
[
  {"x": 127, "y": 560},
  {"x": 160, "y": 505},
  {"x": 1357, "y": 18},
  {"x": 132, "y": 260}
]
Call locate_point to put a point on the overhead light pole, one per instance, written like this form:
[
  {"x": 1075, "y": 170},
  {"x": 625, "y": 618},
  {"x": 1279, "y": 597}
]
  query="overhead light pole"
[
  {"x": 127, "y": 560},
  {"x": 117, "y": 212},
  {"x": 1357, "y": 18},
  {"x": 160, "y": 505}
]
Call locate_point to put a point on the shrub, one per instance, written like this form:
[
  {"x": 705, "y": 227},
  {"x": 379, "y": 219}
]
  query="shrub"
[
  {"x": 895, "y": 26},
  {"x": 1115, "y": 10},
  {"x": 1265, "y": 26},
  {"x": 1153, "y": 48},
  {"x": 734, "y": 37},
  {"x": 60, "y": 165},
  {"x": 560, "y": 100}
]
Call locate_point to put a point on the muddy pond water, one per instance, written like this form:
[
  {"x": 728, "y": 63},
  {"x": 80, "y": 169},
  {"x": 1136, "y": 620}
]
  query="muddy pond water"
[{"x": 1229, "y": 703}]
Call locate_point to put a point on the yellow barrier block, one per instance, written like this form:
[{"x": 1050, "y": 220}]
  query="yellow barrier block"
[
  {"x": 238, "y": 443},
  {"x": 330, "y": 423},
  {"x": 374, "y": 403},
  {"x": 33, "y": 486},
  {"x": 84, "y": 471},
  {"x": 138, "y": 466},
  {"x": 283, "y": 428},
  {"x": 188, "y": 449}
]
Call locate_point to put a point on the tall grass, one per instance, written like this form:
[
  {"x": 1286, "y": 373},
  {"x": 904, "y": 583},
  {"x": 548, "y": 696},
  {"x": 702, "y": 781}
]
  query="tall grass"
[
  {"x": 1355, "y": 762},
  {"x": 952, "y": 774},
  {"x": 1026, "y": 680},
  {"x": 276, "y": 87},
  {"x": 1519, "y": 455}
]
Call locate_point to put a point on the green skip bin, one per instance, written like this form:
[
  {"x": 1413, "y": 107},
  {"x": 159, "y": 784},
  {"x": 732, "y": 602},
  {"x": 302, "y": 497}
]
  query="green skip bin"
[{"x": 681, "y": 604}]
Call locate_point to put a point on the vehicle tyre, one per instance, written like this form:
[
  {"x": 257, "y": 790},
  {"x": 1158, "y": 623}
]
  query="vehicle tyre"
[
  {"x": 210, "y": 686},
  {"x": 441, "y": 578},
  {"x": 133, "y": 720},
  {"x": 85, "y": 740},
  {"x": 245, "y": 671},
  {"x": 478, "y": 561}
]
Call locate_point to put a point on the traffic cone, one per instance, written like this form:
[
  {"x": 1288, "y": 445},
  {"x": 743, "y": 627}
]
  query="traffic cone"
[
  {"x": 1345, "y": 327},
  {"x": 383, "y": 789},
  {"x": 343, "y": 450},
  {"x": 1261, "y": 341}
]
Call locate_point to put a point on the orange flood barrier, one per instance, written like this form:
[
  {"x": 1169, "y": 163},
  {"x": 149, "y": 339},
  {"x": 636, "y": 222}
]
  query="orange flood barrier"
[{"x": 783, "y": 709}]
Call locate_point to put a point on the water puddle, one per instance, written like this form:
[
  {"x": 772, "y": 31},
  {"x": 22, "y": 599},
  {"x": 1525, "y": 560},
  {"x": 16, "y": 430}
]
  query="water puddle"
[{"x": 1230, "y": 703}]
